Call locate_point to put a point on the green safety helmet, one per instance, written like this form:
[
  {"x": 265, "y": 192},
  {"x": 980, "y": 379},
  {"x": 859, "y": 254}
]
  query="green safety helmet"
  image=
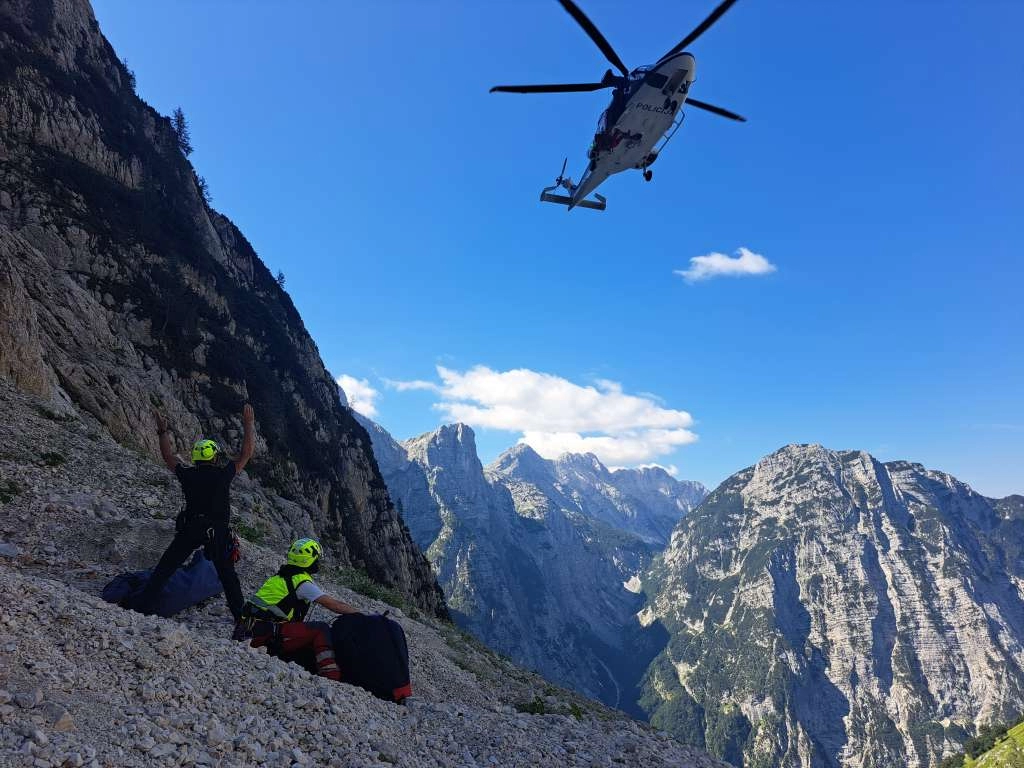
[
  {"x": 204, "y": 450},
  {"x": 304, "y": 553}
]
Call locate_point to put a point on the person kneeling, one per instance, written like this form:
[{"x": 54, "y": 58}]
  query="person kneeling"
[{"x": 273, "y": 617}]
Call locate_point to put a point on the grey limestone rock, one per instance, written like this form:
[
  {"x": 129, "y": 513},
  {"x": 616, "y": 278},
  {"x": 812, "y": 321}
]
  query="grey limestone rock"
[
  {"x": 824, "y": 606},
  {"x": 29, "y": 699},
  {"x": 9, "y": 550}
]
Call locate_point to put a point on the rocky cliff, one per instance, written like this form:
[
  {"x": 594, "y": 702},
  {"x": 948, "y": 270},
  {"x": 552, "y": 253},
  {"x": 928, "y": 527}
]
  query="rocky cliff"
[
  {"x": 826, "y": 609},
  {"x": 538, "y": 559},
  {"x": 121, "y": 289}
]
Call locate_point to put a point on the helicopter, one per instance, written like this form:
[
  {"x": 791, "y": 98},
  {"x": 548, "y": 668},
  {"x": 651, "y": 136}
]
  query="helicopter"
[{"x": 642, "y": 118}]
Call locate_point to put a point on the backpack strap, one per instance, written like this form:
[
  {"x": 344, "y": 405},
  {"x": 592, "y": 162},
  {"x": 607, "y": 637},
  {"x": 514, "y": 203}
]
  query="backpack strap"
[{"x": 286, "y": 573}]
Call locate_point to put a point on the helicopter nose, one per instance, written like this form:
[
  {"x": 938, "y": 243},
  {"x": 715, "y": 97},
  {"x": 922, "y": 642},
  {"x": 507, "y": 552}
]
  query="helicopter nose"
[{"x": 687, "y": 62}]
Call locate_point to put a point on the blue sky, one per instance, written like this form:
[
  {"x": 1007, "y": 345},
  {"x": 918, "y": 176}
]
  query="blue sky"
[{"x": 880, "y": 173}]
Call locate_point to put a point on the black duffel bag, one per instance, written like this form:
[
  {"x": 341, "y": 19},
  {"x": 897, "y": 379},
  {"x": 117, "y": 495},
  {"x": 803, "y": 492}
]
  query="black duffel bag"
[{"x": 372, "y": 653}]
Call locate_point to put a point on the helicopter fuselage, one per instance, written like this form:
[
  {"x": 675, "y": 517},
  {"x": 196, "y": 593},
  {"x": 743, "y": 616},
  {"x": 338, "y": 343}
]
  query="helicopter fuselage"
[{"x": 641, "y": 112}]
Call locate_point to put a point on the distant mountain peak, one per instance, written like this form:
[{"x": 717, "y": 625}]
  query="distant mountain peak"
[
  {"x": 583, "y": 462},
  {"x": 650, "y": 470},
  {"x": 521, "y": 450},
  {"x": 806, "y": 450},
  {"x": 817, "y": 451},
  {"x": 791, "y": 462},
  {"x": 459, "y": 432},
  {"x": 448, "y": 445},
  {"x": 521, "y": 461},
  {"x": 445, "y": 434}
]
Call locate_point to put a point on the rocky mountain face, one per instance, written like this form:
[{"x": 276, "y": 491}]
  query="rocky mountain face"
[
  {"x": 525, "y": 565},
  {"x": 826, "y": 609},
  {"x": 121, "y": 290},
  {"x": 528, "y": 585}
]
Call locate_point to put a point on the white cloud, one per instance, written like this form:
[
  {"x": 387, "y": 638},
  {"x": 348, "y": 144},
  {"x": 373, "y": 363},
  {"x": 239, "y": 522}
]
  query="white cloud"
[
  {"x": 746, "y": 262},
  {"x": 555, "y": 415},
  {"x": 410, "y": 386},
  {"x": 361, "y": 396},
  {"x": 527, "y": 401},
  {"x": 623, "y": 449}
]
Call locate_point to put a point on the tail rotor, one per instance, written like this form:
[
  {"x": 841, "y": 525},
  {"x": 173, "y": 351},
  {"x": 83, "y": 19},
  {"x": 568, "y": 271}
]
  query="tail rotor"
[
  {"x": 549, "y": 194},
  {"x": 561, "y": 181}
]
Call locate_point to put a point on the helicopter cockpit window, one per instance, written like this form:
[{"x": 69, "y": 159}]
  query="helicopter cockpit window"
[
  {"x": 655, "y": 79},
  {"x": 602, "y": 122}
]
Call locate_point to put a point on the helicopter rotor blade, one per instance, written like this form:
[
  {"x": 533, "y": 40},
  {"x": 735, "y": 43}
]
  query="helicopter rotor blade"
[
  {"x": 594, "y": 33},
  {"x": 701, "y": 28},
  {"x": 716, "y": 110},
  {"x": 552, "y": 88}
]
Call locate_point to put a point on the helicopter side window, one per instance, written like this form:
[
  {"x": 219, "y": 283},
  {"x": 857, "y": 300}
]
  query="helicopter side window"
[{"x": 655, "y": 80}]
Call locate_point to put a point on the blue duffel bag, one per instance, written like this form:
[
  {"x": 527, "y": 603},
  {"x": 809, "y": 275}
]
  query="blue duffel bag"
[{"x": 192, "y": 583}]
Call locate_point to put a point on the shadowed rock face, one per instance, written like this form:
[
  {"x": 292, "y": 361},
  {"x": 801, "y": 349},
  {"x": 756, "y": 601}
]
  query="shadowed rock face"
[
  {"x": 826, "y": 609},
  {"x": 121, "y": 289},
  {"x": 407, "y": 484}
]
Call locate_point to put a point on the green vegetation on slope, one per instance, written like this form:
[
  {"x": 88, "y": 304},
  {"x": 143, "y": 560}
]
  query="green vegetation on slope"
[
  {"x": 360, "y": 581},
  {"x": 995, "y": 746}
]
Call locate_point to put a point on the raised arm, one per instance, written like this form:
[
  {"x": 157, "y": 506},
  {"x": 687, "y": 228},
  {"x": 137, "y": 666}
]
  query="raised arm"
[
  {"x": 335, "y": 605},
  {"x": 248, "y": 439},
  {"x": 166, "y": 452}
]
